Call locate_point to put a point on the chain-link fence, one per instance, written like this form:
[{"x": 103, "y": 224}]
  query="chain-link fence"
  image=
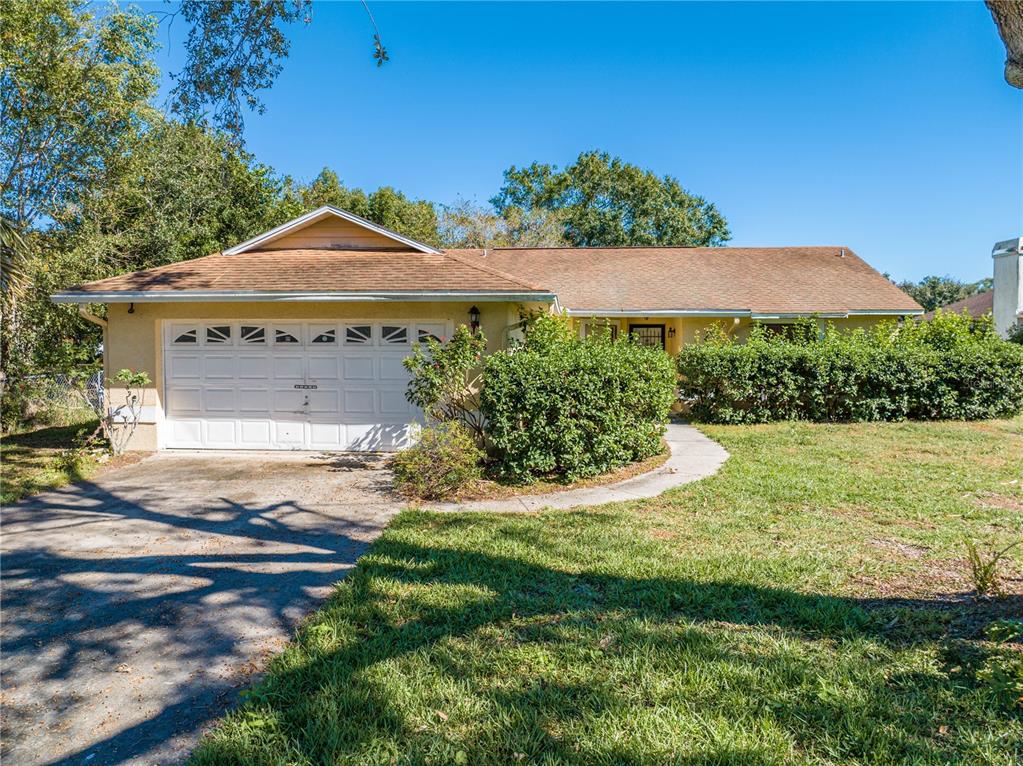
[{"x": 67, "y": 394}]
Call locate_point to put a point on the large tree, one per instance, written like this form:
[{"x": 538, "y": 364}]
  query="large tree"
[
  {"x": 74, "y": 94},
  {"x": 183, "y": 192},
  {"x": 607, "y": 202},
  {"x": 468, "y": 224}
]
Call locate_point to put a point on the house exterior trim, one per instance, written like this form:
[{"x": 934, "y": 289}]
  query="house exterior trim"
[{"x": 322, "y": 212}]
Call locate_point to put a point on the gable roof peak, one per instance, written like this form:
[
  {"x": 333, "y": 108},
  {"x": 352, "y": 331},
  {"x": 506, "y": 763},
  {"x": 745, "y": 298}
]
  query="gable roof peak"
[{"x": 325, "y": 211}]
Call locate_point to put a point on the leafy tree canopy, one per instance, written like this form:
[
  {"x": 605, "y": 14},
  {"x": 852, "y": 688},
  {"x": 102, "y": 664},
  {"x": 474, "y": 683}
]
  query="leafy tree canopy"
[
  {"x": 932, "y": 292},
  {"x": 607, "y": 202},
  {"x": 233, "y": 51},
  {"x": 74, "y": 94},
  {"x": 468, "y": 224}
]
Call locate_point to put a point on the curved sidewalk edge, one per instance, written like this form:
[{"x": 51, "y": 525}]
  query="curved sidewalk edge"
[{"x": 693, "y": 456}]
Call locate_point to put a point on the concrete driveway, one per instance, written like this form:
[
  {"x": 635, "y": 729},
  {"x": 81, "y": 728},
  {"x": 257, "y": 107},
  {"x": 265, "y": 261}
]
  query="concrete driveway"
[{"x": 135, "y": 607}]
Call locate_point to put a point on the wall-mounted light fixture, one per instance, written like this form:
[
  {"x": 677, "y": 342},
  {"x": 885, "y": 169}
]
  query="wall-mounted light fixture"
[
  {"x": 671, "y": 332},
  {"x": 474, "y": 320},
  {"x": 131, "y": 308}
]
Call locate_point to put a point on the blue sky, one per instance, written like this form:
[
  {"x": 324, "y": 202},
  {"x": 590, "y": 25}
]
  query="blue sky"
[{"x": 886, "y": 127}]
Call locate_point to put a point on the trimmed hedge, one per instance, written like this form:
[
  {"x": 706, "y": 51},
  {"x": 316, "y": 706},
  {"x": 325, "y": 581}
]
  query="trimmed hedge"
[
  {"x": 566, "y": 407},
  {"x": 951, "y": 368}
]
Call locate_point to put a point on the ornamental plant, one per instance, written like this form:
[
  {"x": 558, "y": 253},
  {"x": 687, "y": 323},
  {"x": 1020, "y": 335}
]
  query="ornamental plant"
[
  {"x": 445, "y": 379},
  {"x": 953, "y": 367},
  {"x": 563, "y": 407},
  {"x": 440, "y": 465}
]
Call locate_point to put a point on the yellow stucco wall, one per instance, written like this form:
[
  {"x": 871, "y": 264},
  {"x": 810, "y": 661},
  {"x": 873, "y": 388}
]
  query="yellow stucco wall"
[{"x": 135, "y": 340}]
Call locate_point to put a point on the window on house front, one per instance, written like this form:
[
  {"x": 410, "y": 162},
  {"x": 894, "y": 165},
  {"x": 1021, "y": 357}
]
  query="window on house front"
[
  {"x": 323, "y": 335},
  {"x": 218, "y": 334},
  {"x": 358, "y": 334},
  {"x": 285, "y": 336},
  {"x": 596, "y": 327},
  {"x": 252, "y": 334},
  {"x": 188, "y": 336},
  {"x": 394, "y": 334},
  {"x": 648, "y": 334}
]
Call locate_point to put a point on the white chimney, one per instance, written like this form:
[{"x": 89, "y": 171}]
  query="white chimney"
[{"x": 1008, "y": 298}]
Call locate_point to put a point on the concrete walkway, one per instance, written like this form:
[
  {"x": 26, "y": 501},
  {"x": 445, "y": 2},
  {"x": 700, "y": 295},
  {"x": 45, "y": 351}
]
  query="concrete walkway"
[{"x": 693, "y": 456}]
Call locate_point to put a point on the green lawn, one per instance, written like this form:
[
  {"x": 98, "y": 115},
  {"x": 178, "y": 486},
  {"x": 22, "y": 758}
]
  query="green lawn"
[
  {"x": 30, "y": 461},
  {"x": 806, "y": 605}
]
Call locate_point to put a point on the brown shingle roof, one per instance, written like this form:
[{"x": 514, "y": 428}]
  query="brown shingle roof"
[
  {"x": 763, "y": 280},
  {"x": 796, "y": 280},
  {"x": 977, "y": 305},
  {"x": 318, "y": 271}
]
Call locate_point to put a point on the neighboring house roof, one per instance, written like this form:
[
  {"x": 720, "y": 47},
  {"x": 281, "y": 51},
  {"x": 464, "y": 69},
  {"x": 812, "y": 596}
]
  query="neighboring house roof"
[
  {"x": 331, "y": 254},
  {"x": 763, "y": 281},
  {"x": 977, "y": 305},
  {"x": 308, "y": 273}
]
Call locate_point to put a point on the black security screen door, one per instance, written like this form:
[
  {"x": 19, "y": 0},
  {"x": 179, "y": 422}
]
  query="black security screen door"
[{"x": 648, "y": 334}]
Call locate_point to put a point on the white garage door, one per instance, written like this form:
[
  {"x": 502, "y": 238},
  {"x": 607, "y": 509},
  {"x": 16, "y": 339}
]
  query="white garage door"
[{"x": 289, "y": 385}]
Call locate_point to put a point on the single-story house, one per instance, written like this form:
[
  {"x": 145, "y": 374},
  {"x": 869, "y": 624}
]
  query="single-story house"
[{"x": 295, "y": 338}]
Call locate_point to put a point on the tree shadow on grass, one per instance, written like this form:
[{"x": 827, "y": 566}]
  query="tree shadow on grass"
[{"x": 529, "y": 663}]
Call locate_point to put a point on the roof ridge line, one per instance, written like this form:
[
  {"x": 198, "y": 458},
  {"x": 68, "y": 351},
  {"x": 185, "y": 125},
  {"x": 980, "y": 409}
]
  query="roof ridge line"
[{"x": 487, "y": 269}]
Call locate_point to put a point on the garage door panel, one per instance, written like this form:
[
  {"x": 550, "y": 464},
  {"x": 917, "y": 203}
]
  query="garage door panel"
[
  {"x": 219, "y": 400},
  {"x": 184, "y": 367},
  {"x": 324, "y": 367},
  {"x": 289, "y": 367},
  {"x": 393, "y": 402},
  {"x": 359, "y": 402},
  {"x": 392, "y": 368},
  {"x": 379, "y": 436},
  {"x": 324, "y": 402},
  {"x": 325, "y": 390},
  {"x": 219, "y": 366},
  {"x": 288, "y": 400},
  {"x": 359, "y": 366},
  {"x": 254, "y": 434},
  {"x": 221, "y": 433},
  {"x": 253, "y": 400},
  {"x": 185, "y": 400},
  {"x": 187, "y": 433},
  {"x": 326, "y": 435},
  {"x": 251, "y": 367},
  {"x": 289, "y": 433}
]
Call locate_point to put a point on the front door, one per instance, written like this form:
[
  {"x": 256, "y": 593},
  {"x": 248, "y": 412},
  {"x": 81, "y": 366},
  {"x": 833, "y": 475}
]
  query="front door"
[{"x": 648, "y": 334}]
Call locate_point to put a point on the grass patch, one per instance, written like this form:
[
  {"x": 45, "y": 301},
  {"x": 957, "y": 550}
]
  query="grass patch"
[
  {"x": 30, "y": 461},
  {"x": 805, "y": 605}
]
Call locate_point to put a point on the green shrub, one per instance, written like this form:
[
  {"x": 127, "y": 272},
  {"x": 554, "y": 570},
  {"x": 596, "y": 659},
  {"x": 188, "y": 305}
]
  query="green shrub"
[
  {"x": 564, "y": 407},
  {"x": 949, "y": 368},
  {"x": 444, "y": 379},
  {"x": 443, "y": 463}
]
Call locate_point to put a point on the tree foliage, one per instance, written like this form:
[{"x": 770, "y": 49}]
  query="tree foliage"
[
  {"x": 233, "y": 51},
  {"x": 183, "y": 192},
  {"x": 74, "y": 93},
  {"x": 933, "y": 292},
  {"x": 468, "y": 224},
  {"x": 607, "y": 202}
]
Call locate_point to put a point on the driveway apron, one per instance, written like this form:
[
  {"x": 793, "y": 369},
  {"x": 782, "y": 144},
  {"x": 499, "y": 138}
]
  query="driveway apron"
[{"x": 136, "y": 606}]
